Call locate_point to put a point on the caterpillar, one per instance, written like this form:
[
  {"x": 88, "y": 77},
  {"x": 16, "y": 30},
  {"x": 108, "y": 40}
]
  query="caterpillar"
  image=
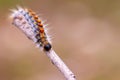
[{"x": 30, "y": 23}]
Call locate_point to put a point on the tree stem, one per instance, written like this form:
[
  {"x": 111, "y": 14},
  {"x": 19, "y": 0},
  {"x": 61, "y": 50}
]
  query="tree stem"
[{"x": 61, "y": 66}]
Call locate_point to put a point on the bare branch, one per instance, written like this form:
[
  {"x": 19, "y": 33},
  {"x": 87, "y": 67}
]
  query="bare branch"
[{"x": 55, "y": 59}]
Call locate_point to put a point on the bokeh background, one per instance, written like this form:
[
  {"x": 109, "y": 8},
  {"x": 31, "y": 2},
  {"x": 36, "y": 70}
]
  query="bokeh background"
[{"x": 85, "y": 34}]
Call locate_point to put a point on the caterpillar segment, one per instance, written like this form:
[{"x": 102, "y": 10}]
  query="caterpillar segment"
[{"x": 42, "y": 37}]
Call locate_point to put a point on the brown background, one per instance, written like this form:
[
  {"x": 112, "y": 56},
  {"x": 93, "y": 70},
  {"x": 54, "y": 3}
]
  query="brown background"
[{"x": 85, "y": 34}]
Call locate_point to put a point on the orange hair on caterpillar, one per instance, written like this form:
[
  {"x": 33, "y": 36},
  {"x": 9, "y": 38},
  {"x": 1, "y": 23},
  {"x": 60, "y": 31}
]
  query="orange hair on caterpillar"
[{"x": 30, "y": 23}]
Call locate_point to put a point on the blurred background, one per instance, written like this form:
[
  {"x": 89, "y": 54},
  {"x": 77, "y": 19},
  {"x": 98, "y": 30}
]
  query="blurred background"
[{"x": 85, "y": 34}]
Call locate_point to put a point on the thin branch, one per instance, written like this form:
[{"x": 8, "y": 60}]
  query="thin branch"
[{"x": 55, "y": 59}]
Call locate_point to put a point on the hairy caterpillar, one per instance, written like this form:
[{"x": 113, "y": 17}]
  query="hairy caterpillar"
[{"x": 30, "y": 23}]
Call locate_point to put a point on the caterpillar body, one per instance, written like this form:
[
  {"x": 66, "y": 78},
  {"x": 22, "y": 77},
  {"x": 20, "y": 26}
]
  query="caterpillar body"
[{"x": 30, "y": 23}]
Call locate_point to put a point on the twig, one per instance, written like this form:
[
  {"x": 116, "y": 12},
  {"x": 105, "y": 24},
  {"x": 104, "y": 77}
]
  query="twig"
[
  {"x": 55, "y": 59},
  {"x": 30, "y": 24}
]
